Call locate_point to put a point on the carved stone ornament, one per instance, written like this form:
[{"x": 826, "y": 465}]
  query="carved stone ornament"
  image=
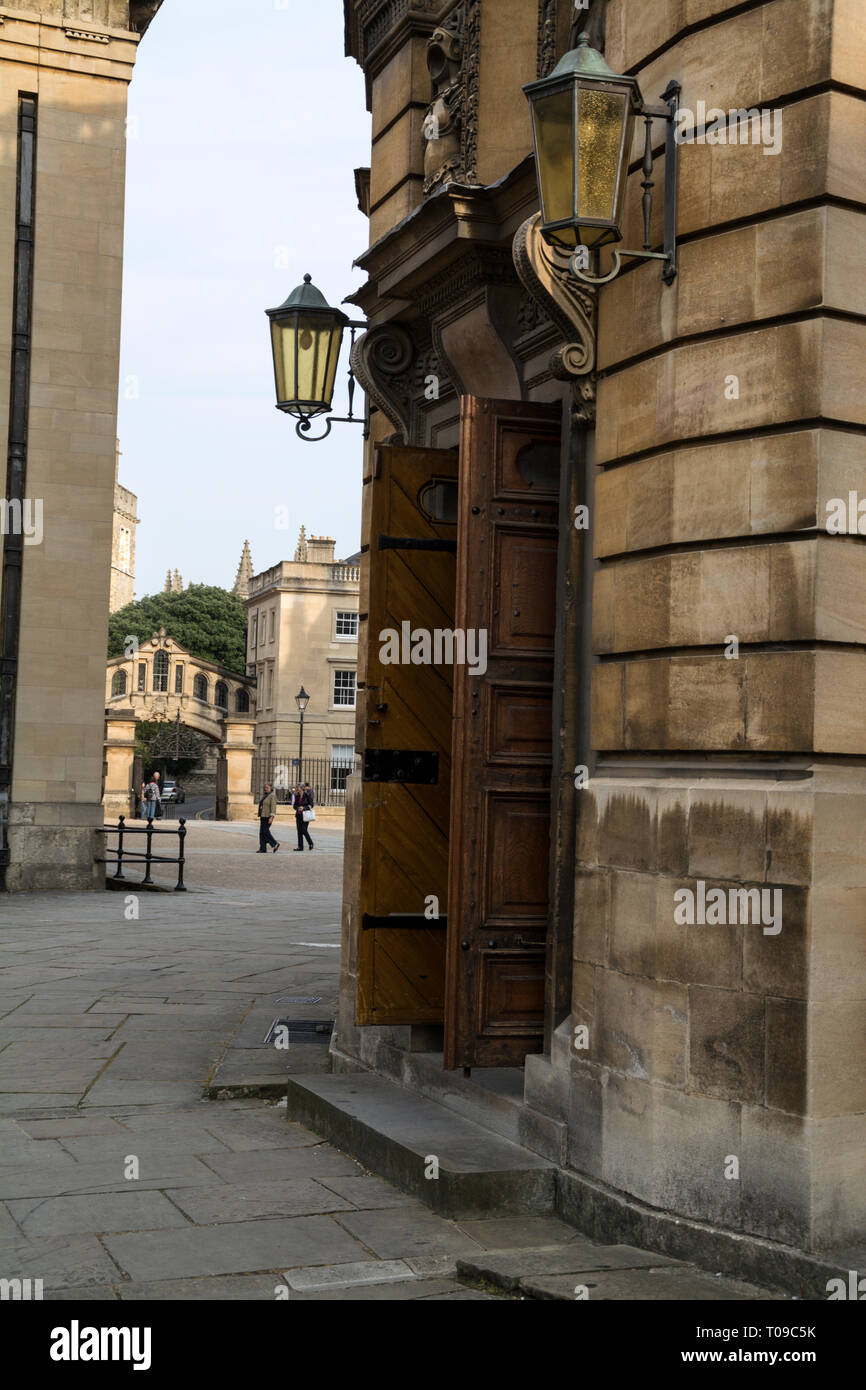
[
  {"x": 545, "y": 274},
  {"x": 451, "y": 120},
  {"x": 547, "y": 13},
  {"x": 141, "y": 12},
  {"x": 381, "y": 360}
]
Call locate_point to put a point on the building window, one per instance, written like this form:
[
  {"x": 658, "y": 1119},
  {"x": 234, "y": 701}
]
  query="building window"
[
  {"x": 262, "y": 617},
  {"x": 346, "y": 625},
  {"x": 273, "y": 623},
  {"x": 342, "y": 761},
  {"x": 178, "y": 680},
  {"x": 242, "y": 702},
  {"x": 160, "y": 672},
  {"x": 344, "y": 689},
  {"x": 221, "y": 695},
  {"x": 254, "y": 631},
  {"x": 142, "y": 678},
  {"x": 199, "y": 688},
  {"x": 271, "y": 686},
  {"x": 118, "y": 683}
]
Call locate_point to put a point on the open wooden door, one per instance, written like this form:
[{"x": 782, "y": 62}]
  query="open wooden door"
[
  {"x": 411, "y": 500},
  {"x": 502, "y": 748}
]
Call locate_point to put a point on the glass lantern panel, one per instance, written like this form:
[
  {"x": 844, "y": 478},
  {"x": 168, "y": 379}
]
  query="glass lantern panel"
[
  {"x": 283, "y": 343},
  {"x": 600, "y": 120},
  {"x": 554, "y": 139},
  {"x": 316, "y": 360},
  {"x": 336, "y": 342}
]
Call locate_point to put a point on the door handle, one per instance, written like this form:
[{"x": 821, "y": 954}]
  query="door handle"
[{"x": 529, "y": 945}]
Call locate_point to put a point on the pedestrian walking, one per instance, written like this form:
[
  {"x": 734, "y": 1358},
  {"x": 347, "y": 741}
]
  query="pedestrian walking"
[
  {"x": 303, "y": 803},
  {"x": 267, "y": 811},
  {"x": 151, "y": 798}
]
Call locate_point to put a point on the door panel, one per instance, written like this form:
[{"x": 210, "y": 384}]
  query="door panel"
[
  {"x": 407, "y": 743},
  {"x": 502, "y": 745}
]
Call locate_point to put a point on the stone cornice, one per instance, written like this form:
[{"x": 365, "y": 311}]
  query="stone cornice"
[
  {"x": 49, "y": 41},
  {"x": 439, "y": 233},
  {"x": 87, "y": 30},
  {"x": 377, "y": 29}
]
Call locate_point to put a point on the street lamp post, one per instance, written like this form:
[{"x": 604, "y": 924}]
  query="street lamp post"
[{"x": 302, "y": 699}]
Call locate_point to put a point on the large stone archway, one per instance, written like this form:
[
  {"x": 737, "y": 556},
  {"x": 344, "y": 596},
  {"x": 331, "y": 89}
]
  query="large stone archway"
[
  {"x": 235, "y": 742},
  {"x": 160, "y": 680}
]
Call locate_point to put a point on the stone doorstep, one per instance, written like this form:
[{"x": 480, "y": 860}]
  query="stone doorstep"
[
  {"x": 396, "y": 1134},
  {"x": 393, "y": 1132},
  {"x": 492, "y": 1097}
]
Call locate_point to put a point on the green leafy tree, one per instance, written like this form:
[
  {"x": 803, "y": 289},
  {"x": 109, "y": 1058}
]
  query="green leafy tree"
[{"x": 209, "y": 622}]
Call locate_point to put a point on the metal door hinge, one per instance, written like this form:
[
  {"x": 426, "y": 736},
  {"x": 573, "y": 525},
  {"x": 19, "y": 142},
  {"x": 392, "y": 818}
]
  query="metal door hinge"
[{"x": 398, "y": 765}]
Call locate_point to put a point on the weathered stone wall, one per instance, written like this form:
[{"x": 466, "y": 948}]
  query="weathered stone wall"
[{"x": 730, "y": 410}]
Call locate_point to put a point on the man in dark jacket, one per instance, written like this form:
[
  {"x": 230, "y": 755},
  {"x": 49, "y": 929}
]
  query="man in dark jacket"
[{"x": 267, "y": 811}]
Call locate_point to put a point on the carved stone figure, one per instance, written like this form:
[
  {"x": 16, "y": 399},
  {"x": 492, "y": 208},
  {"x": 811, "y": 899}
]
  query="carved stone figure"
[{"x": 443, "y": 120}]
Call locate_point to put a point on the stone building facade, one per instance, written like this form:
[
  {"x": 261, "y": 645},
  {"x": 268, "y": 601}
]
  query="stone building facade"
[
  {"x": 123, "y": 544},
  {"x": 696, "y": 720},
  {"x": 302, "y": 630},
  {"x": 65, "y": 68}
]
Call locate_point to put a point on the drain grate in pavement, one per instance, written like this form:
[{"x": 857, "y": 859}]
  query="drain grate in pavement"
[
  {"x": 302, "y": 1030},
  {"x": 299, "y": 999}
]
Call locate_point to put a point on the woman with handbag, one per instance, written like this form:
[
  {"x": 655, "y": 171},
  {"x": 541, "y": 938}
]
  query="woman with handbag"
[{"x": 302, "y": 800}]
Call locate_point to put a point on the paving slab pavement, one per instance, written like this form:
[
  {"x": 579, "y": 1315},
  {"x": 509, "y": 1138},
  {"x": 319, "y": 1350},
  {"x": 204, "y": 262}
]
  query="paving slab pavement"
[{"x": 120, "y": 1013}]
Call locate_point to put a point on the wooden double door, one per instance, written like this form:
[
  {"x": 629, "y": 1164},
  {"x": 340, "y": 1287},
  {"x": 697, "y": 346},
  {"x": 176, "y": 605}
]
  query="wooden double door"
[{"x": 458, "y": 754}]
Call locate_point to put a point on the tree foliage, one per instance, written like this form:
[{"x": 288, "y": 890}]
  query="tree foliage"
[{"x": 209, "y": 622}]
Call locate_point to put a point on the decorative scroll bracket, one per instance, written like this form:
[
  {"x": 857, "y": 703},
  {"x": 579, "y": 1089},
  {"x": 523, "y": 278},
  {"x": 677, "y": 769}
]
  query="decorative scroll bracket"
[
  {"x": 380, "y": 357},
  {"x": 545, "y": 274}
]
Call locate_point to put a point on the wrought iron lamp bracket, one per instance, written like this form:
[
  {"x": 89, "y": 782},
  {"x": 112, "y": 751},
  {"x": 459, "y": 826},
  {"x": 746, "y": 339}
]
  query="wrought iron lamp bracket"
[
  {"x": 305, "y": 424},
  {"x": 668, "y": 113}
]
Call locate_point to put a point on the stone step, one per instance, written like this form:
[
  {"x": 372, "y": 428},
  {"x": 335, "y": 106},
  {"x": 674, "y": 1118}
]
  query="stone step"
[
  {"x": 398, "y": 1135},
  {"x": 586, "y": 1271}
]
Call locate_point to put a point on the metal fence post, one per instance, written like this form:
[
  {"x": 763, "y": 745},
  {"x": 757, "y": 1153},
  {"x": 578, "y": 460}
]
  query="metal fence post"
[
  {"x": 147, "y": 853},
  {"x": 180, "y": 887},
  {"x": 120, "y": 828}
]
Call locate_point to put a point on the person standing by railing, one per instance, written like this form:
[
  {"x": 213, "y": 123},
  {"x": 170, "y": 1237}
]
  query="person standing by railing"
[{"x": 151, "y": 799}]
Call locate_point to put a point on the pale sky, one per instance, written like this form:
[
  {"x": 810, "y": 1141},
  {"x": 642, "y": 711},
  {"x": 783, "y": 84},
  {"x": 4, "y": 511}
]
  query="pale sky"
[{"x": 246, "y": 124}]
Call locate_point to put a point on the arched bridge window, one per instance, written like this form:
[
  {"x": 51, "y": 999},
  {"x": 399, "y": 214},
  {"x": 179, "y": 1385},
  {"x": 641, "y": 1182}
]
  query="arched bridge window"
[
  {"x": 221, "y": 695},
  {"x": 242, "y": 702},
  {"x": 160, "y": 671},
  {"x": 199, "y": 688},
  {"x": 118, "y": 683}
]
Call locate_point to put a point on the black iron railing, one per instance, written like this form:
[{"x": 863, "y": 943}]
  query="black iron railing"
[
  {"x": 327, "y": 779},
  {"x": 120, "y": 856}
]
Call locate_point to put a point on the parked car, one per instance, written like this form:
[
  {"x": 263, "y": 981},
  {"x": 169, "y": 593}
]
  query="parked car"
[{"x": 173, "y": 791}]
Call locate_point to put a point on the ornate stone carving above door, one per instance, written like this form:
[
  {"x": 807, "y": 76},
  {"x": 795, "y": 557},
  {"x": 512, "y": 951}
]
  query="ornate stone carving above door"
[
  {"x": 451, "y": 120},
  {"x": 547, "y": 25}
]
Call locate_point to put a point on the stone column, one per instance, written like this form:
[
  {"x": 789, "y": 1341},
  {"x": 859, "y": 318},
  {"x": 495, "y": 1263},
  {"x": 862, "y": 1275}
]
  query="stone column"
[
  {"x": 237, "y": 749},
  {"x": 117, "y": 798}
]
